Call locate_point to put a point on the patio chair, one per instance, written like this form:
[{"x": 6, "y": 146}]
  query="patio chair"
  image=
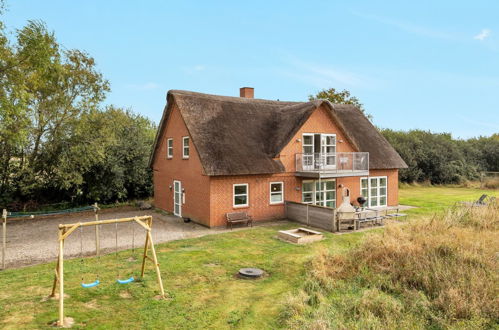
[{"x": 479, "y": 202}]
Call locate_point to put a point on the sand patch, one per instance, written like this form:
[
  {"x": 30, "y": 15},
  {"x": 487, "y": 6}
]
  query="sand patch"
[
  {"x": 92, "y": 304},
  {"x": 125, "y": 295},
  {"x": 68, "y": 323},
  {"x": 55, "y": 297}
]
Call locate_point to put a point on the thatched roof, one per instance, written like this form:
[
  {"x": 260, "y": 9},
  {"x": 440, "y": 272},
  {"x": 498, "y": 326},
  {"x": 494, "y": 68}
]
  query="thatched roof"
[{"x": 238, "y": 136}]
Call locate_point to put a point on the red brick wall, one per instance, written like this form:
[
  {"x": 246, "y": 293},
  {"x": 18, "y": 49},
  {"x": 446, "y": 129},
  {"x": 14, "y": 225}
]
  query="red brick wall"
[
  {"x": 259, "y": 196},
  {"x": 189, "y": 171}
]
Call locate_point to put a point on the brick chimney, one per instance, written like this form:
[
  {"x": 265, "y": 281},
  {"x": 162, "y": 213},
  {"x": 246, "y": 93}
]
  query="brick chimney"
[{"x": 247, "y": 92}]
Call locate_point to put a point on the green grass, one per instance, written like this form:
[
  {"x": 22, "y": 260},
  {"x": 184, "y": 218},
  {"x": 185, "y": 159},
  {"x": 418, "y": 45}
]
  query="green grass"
[
  {"x": 198, "y": 276},
  {"x": 431, "y": 199}
]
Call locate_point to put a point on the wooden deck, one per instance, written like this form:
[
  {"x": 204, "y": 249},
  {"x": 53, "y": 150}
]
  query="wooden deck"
[{"x": 329, "y": 219}]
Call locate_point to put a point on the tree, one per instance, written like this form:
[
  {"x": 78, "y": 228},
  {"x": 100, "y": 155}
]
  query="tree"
[
  {"x": 434, "y": 157},
  {"x": 56, "y": 141},
  {"x": 342, "y": 97},
  {"x": 123, "y": 173},
  {"x": 61, "y": 85}
]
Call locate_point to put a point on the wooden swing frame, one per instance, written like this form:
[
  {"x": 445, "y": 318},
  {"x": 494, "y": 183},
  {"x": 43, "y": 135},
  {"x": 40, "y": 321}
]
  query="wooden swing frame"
[{"x": 65, "y": 230}]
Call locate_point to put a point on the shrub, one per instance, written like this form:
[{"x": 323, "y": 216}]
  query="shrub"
[
  {"x": 492, "y": 183},
  {"x": 441, "y": 271}
]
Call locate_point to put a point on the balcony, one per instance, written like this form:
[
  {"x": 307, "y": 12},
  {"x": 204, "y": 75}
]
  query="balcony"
[{"x": 332, "y": 165}]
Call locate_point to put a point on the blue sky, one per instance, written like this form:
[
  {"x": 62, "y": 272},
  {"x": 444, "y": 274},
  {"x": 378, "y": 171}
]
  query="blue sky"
[{"x": 431, "y": 65}]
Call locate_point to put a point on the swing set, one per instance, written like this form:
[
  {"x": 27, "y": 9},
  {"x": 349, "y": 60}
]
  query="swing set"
[{"x": 65, "y": 230}]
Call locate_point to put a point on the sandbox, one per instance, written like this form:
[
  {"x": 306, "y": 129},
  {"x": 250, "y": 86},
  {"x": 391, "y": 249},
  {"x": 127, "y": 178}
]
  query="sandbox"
[{"x": 300, "y": 235}]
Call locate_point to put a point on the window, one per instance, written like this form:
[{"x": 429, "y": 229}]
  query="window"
[
  {"x": 374, "y": 189},
  {"x": 276, "y": 193},
  {"x": 319, "y": 193},
  {"x": 364, "y": 188},
  {"x": 185, "y": 147},
  {"x": 240, "y": 194},
  {"x": 319, "y": 150},
  {"x": 307, "y": 192},
  {"x": 169, "y": 148}
]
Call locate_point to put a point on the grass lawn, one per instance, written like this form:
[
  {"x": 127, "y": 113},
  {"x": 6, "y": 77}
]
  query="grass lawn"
[
  {"x": 198, "y": 276},
  {"x": 431, "y": 199}
]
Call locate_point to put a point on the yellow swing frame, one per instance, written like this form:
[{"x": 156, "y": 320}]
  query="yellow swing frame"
[{"x": 65, "y": 230}]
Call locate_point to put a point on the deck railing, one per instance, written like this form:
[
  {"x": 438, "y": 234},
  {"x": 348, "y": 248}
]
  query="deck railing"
[{"x": 337, "y": 162}]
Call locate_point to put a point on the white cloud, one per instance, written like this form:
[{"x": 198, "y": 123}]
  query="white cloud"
[
  {"x": 319, "y": 75},
  {"x": 482, "y": 35}
]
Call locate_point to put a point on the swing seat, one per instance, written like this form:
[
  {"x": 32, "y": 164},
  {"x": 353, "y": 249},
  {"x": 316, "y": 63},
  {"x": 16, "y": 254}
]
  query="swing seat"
[
  {"x": 131, "y": 279},
  {"x": 90, "y": 285}
]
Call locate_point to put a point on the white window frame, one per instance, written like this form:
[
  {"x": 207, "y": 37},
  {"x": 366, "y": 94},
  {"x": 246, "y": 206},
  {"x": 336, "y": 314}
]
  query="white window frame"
[
  {"x": 184, "y": 146},
  {"x": 234, "y": 195},
  {"x": 169, "y": 149},
  {"x": 323, "y": 192},
  {"x": 329, "y": 158},
  {"x": 179, "y": 192},
  {"x": 368, "y": 197},
  {"x": 323, "y": 158},
  {"x": 307, "y": 157},
  {"x": 281, "y": 192}
]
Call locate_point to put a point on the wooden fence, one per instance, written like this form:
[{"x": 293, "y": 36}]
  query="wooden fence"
[{"x": 311, "y": 215}]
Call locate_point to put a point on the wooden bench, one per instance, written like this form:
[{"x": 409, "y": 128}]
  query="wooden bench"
[{"x": 238, "y": 217}]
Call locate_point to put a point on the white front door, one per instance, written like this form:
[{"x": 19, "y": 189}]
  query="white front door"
[{"x": 177, "y": 198}]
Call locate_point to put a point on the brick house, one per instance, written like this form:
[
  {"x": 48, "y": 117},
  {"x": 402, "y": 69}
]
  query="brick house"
[{"x": 219, "y": 154}]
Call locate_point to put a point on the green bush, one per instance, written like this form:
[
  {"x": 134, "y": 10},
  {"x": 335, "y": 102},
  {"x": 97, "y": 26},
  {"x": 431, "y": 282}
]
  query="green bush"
[{"x": 440, "y": 159}]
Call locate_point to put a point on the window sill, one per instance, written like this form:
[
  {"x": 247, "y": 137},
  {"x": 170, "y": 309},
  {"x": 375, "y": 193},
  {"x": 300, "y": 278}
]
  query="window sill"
[
  {"x": 185, "y": 157},
  {"x": 280, "y": 203},
  {"x": 240, "y": 206},
  {"x": 169, "y": 157}
]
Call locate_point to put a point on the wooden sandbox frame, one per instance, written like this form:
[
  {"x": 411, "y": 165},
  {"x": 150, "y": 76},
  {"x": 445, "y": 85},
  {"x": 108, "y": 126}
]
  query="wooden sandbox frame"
[{"x": 67, "y": 229}]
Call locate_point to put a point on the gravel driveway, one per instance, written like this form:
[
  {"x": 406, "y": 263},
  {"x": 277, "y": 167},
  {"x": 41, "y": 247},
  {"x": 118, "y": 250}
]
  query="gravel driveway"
[{"x": 34, "y": 241}]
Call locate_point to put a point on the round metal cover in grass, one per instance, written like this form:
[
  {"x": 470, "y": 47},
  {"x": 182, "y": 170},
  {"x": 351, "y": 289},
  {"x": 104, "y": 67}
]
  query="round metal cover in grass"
[{"x": 250, "y": 272}]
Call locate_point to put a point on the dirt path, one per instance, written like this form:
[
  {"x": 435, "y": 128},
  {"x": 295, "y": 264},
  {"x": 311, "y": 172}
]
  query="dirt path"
[{"x": 34, "y": 241}]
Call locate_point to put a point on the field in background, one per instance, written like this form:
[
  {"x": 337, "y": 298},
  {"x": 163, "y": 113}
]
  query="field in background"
[
  {"x": 431, "y": 199},
  {"x": 198, "y": 276}
]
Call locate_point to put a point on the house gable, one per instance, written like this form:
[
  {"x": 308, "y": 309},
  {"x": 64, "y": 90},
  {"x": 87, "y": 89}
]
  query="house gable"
[
  {"x": 319, "y": 121},
  {"x": 175, "y": 127}
]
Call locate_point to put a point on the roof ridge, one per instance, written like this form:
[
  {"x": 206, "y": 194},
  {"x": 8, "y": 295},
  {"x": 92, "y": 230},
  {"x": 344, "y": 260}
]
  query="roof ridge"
[{"x": 230, "y": 98}]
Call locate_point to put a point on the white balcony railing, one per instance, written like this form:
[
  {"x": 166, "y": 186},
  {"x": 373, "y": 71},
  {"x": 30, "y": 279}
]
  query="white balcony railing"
[{"x": 338, "y": 162}]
